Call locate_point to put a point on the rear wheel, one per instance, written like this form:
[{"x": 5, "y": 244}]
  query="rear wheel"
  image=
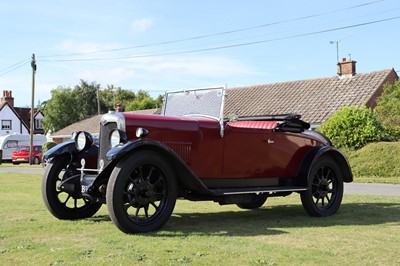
[
  {"x": 141, "y": 193},
  {"x": 325, "y": 189},
  {"x": 256, "y": 203},
  {"x": 36, "y": 160},
  {"x": 61, "y": 204}
]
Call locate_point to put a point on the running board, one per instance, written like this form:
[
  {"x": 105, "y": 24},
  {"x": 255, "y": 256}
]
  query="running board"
[{"x": 256, "y": 190}]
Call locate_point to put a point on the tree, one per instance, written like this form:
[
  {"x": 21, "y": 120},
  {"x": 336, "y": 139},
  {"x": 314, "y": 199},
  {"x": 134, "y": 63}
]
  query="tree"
[
  {"x": 144, "y": 101},
  {"x": 111, "y": 96},
  {"x": 68, "y": 106},
  {"x": 61, "y": 110},
  {"x": 388, "y": 105},
  {"x": 86, "y": 96},
  {"x": 353, "y": 127}
]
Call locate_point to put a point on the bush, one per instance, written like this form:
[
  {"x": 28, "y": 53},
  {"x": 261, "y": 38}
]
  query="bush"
[
  {"x": 48, "y": 145},
  {"x": 376, "y": 160},
  {"x": 388, "y": 105},
  {"x": 354, "y": 127}
]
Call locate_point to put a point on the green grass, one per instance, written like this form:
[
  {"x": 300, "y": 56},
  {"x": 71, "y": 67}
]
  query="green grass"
[{"x": 365, "y": 231}]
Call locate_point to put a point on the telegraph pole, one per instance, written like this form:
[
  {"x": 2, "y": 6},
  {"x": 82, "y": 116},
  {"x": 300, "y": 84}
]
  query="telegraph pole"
[{"x": 32, "y": 128}]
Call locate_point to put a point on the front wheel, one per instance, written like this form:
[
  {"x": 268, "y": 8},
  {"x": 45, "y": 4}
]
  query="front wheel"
[
  {"x": 325, "y": 189},
  {"x": 61, "y": 204},
  {"x": 141, "y": 193}
]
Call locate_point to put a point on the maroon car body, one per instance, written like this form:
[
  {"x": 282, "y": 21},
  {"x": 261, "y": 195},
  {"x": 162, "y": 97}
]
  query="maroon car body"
[{"x": 142, "y": 163}]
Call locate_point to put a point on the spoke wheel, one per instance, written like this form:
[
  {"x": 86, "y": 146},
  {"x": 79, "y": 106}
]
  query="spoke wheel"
[
  {"x": 141, "y": 193},
  {"x": 325, "y": 189},
  {"x": 61, "y": 204}
]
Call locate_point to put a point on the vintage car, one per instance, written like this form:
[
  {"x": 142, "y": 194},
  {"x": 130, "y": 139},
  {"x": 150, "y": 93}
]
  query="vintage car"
[{"x": 143, "y": 163}]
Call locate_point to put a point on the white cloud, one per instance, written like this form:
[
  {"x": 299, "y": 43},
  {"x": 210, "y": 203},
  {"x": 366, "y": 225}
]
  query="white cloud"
[{"x": 141, "y": 25}]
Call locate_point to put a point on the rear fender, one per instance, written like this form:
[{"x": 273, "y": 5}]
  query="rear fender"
[{"x": 316, "y": 153}]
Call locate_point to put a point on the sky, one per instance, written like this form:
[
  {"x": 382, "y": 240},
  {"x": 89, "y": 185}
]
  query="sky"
[{"x": 158, "y": 46}]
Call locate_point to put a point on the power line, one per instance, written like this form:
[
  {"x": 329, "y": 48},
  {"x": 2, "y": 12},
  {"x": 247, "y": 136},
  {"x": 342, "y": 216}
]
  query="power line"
[
  {"x": 222, "y": 33},
  {"x": 225, "y": 46},
  {"x": 13, "y": 67}
]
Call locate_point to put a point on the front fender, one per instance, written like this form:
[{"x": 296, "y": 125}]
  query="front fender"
[
  {"x": 317, "y": 152},
  {"x": 69, "y": 147},
  {"x": 186, "y": 177},
  {"x": 60, "y": 149},
  {"x": 119, "y": 151}
]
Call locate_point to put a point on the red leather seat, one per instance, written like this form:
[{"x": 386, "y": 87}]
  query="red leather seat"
[{"x": 254, "y": 124}]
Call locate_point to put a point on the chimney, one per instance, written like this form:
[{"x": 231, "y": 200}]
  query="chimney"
[
  {"x": 7, "y": 97},
  {"x": 346, "y": 69}
]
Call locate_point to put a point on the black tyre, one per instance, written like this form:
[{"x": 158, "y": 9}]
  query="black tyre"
[
  {"x": 36, "y": 160},
  {"x": 141, "y": 193},
  {"x": 325, "y": 189},
  {"x": 256, "y": 203},
  {"x": 61, "y": 204}
]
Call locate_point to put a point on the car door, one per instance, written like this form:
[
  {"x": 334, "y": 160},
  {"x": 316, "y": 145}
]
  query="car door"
[{"x": 258, "y": 152}]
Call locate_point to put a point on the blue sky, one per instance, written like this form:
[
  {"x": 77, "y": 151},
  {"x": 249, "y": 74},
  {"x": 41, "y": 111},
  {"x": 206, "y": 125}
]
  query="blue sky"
[{"x": 168, "y": 45}]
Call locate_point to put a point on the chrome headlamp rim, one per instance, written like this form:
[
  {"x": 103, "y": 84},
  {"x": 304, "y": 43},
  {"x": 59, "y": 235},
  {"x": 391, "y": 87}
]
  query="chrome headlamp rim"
[
  {"x": 117, "y": 137},
  {"x": 83, "y": 140}
]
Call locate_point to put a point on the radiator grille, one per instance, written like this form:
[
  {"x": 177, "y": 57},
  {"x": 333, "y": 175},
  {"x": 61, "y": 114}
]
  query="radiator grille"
[{"x": 104, "y": 140}]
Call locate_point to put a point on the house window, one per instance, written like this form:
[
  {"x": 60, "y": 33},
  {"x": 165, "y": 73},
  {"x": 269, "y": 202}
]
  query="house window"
[
  {"x": 38, "y": 123},
  {"x": 6, "y": 125}
]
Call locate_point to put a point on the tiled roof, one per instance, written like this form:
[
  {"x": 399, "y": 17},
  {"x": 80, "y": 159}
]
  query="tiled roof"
[
  {"x": 315, "y": 99},
  {"x": 25, "y": 115}
]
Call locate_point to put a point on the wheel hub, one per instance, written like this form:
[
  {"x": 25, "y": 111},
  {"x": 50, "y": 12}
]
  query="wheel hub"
[
  {"x": 323, "y": 187},
  {"x": 142, "y": 193}
]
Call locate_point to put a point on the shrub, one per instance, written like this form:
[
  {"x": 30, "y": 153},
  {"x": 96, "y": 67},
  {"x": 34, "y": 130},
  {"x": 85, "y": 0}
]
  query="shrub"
[
  {"x": 376, "y": 160},
  {"x": 354, "y": 127},
  {"x": 388, "y": 105},
  {"x": 48, "y": 145}
]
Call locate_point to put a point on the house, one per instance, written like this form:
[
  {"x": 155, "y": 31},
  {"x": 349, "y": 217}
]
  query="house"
[
  {"x": 315, "y": 99},
  {"x": 16, "y": 120},
  {"x": 25, "y": 114}
]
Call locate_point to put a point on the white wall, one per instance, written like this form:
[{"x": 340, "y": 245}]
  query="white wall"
[{"x": 16, "y": 125}]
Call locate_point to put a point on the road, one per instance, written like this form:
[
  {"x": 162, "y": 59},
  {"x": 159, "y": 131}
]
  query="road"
[{"x": 349, "y": 188}]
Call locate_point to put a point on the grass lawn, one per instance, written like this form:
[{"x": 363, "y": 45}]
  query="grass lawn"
[{"x": 364, "y": 232}]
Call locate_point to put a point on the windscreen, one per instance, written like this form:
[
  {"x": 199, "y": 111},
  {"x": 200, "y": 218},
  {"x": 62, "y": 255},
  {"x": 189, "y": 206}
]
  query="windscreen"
[{"x": 207, "y": 102}]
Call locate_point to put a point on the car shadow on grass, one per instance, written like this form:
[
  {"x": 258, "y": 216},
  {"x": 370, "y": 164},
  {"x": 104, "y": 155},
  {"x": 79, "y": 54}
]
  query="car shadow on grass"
[
  {"x": 274, "y": 220},
  {"x": 271, "y": 220}
]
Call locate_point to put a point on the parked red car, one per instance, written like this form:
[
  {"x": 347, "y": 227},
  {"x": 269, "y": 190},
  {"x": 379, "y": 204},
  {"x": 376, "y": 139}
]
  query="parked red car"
[
  {"x": 21, "y": 155},
  {"x": 141, "y": 164}
]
